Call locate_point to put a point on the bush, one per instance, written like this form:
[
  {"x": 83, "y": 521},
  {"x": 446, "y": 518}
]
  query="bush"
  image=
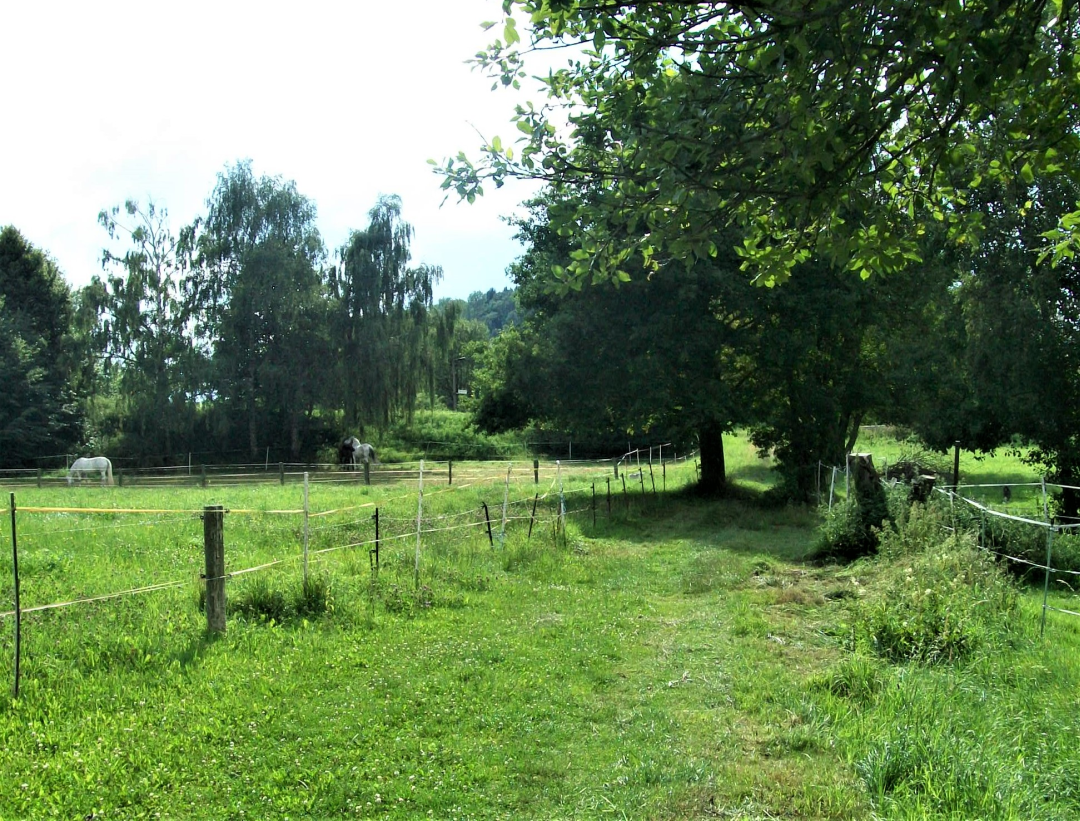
[
  {"x": 940, "y": 598},
  {"x": 850, "y": 529}
]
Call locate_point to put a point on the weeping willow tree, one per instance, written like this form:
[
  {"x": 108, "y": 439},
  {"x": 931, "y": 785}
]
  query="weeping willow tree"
[{"x": 380, "y": 308}]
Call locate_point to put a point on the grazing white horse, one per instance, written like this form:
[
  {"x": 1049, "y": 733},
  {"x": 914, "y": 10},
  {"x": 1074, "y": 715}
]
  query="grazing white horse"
[
  {"x": 353, "y": 452},
  {"x": 88, "y": 465}
]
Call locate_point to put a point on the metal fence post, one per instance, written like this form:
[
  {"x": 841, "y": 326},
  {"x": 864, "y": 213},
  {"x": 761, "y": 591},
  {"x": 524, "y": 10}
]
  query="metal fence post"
[{"x": 18, "y": 607}]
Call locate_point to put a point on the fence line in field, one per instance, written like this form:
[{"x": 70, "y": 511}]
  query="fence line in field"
[{"x": 179, "y": 514}]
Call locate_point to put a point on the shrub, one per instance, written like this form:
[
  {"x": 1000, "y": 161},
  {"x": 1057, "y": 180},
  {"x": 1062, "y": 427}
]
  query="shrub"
[
  {"x": 850, "y": 529},
  {"x": 940, "y": 598}
]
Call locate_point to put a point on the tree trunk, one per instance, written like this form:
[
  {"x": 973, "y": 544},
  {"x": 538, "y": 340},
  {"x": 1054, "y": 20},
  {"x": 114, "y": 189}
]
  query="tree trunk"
[
  {"x": 294, "y": 436},
  {"x": 713, "y": 467}
]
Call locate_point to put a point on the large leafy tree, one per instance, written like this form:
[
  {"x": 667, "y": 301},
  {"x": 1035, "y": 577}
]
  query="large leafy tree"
[
  {"x": 692, "y": 353},
  {"x": 380, "y": 309},
  {"x": 255, "y": 297},
  {"x": 39, "y": 405},
  {"x": 674, "y": 122},
  {"x": 141, "y": 329},
  {"x": 1021, "y": 340},
  {"x": 657, "y": 357}
]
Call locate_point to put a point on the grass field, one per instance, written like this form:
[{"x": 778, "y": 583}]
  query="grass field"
[{"x": 678, "y": 659}]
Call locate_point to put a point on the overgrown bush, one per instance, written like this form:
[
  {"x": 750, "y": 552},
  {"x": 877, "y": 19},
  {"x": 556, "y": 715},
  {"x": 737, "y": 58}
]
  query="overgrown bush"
[
  {"x": 850, "y": 529},
  {"x": 938, "y": 597}
]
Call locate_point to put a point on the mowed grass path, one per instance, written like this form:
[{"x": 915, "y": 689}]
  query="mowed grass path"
[{"x": 673, "y": 663}]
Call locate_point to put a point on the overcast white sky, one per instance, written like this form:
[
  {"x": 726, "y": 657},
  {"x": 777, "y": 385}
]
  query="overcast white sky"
[{"x": 113, "y": 100}]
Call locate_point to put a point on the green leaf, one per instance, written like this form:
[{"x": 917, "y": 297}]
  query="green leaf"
[{"x": 510, "y": 32}]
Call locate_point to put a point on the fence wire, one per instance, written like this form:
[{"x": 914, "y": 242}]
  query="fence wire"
[{"x": 326, "y": 538}]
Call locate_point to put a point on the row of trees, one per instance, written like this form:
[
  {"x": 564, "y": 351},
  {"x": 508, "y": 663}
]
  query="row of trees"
[{"x": 233, "y": 335}]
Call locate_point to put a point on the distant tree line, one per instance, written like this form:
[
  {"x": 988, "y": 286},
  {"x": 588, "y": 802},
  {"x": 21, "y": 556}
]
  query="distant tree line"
[
  {"x": 233, "y": 334},
  {"x": 238, "y": 333}
]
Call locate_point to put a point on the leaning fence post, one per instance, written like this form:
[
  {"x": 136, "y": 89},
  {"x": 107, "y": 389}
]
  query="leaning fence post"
[
  {"x": 18, "y": 607},
  {"x": 487, "y": 518},
  {"x": 532, "y": 518},
  {"x": 214, "y": 548}
]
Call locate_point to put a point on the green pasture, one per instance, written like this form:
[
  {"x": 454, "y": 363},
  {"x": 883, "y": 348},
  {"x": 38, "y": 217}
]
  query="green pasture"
[{"x": 679, "y": 658}]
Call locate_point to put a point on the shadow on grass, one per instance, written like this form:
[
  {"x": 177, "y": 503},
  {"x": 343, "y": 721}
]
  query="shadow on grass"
[
  {"x": 196, "y": 648},
  {"x": 761, "y": 474},
  {"x": 744, "y": 520}
]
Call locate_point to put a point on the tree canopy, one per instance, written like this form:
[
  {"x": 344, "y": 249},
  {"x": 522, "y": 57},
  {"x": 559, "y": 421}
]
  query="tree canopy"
[
  {"x": 812, "y": 127},
  {"x": 39, "y": 410}
]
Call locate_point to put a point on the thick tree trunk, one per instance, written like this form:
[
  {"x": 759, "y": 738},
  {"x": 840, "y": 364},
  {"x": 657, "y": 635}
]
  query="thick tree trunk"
[{"x": 713, "y": 467}]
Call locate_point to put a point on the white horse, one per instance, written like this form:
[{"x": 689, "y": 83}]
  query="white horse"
[
  {"x": 88, "y": 465},
  {"x": 353, "y": 452}
]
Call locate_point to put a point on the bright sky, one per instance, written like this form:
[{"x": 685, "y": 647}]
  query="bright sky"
[{"x": 112, "y": 100}]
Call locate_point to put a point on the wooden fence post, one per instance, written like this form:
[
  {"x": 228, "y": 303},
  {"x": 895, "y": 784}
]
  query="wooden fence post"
[
  {"x": 536, "y": 471},
  {"x": 39, "y": 477},
  {"x": 202, "y": 472},
  {"x": 214, "y": 548},
  {"x": 281, "y": 472},
  {"x": 367, "y": 473},
  {"x": 449, "y": 471}
]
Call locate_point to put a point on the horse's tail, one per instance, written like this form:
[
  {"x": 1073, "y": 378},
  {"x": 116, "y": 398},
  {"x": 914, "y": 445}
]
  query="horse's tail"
[{"x": 108, "y": 472}]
